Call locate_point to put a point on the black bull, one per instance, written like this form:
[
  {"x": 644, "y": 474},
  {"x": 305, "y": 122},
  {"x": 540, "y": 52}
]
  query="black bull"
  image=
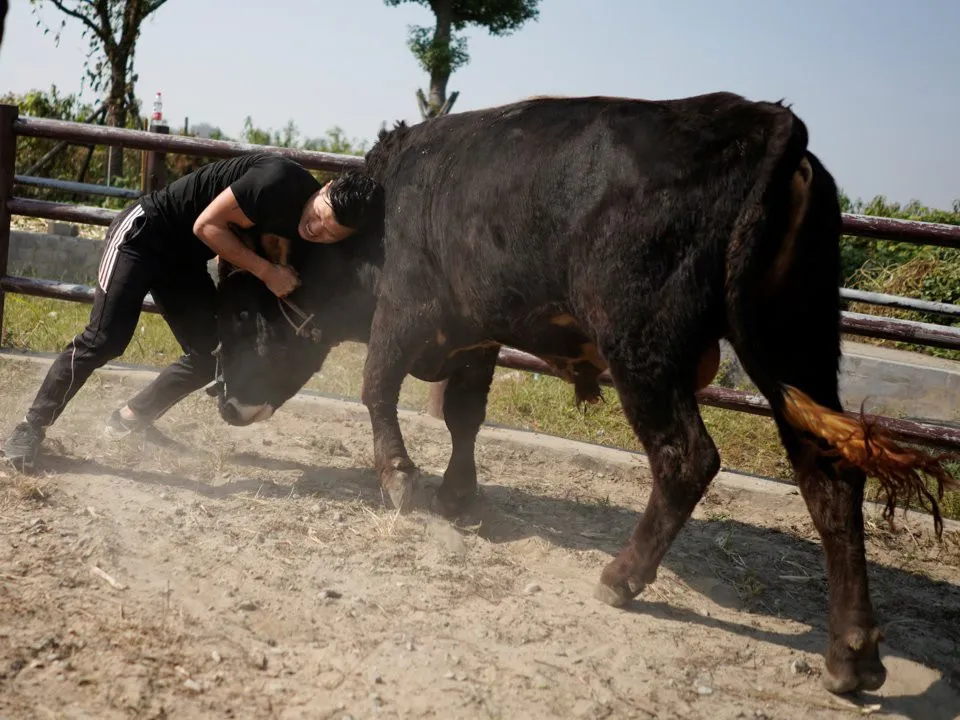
[{"x": 598, "y": 233}]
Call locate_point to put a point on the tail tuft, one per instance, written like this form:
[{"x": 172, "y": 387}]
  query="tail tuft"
[{"x": 860, "y": 443}]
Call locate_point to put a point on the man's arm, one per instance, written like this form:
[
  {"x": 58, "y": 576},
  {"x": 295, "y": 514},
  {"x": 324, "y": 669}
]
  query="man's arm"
[{"x": 212, "y": 228}]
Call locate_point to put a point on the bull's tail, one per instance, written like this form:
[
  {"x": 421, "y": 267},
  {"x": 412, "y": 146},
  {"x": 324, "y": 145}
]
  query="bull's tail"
[{"x": 783, "y": 310}]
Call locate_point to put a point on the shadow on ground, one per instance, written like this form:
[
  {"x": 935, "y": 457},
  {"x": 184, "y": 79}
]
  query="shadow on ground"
[{"x": 741, "y": 567}]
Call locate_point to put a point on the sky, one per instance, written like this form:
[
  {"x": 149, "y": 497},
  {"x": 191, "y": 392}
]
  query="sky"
[{"x": 876, "y": 81}]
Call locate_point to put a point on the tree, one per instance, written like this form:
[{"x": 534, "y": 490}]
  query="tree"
[
  {"x": 441, "y": 50},
  {"x": 112, "y": 28}
]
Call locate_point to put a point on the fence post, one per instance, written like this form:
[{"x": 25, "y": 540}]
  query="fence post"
[
  {"x": 156, "y": 164},
  {"x": 8, "y": 157}
]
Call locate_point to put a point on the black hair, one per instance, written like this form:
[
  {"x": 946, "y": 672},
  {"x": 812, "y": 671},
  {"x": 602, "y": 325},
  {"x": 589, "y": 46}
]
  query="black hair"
[{"x": 357, "y": 200}]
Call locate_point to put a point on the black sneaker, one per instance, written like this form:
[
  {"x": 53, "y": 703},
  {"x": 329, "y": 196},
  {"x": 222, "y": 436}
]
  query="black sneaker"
[
  {"x": 21, "y": 447},
  {"x": 118, "y": 427}
]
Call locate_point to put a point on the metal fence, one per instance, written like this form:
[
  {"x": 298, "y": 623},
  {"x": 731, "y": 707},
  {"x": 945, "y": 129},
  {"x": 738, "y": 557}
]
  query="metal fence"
[{"x": 13, "y": 126}]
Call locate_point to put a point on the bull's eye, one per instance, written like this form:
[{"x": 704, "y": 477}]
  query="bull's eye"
[{"x": 244, "y": 316}]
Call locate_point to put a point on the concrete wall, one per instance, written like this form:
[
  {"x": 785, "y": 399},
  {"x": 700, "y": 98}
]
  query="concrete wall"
[
  {"x": 892, "y": 382},
  {"x": 54, "y": 257},
  {"x": 64, "y": 258}
]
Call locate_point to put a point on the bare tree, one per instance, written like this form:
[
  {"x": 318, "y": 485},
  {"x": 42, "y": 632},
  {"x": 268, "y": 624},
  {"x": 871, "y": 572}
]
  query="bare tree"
[{"x": 112, "y": 28}]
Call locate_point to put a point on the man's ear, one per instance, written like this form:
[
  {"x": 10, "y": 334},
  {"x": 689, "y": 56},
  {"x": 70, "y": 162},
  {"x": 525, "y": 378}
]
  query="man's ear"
[{"x": 276, "y": 248}]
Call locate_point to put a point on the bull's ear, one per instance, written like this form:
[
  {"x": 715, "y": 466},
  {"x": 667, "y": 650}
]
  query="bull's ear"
[{"x": 276, "y": 248}]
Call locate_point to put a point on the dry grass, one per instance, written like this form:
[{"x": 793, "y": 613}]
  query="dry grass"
[{"x": 906, "y": 280}]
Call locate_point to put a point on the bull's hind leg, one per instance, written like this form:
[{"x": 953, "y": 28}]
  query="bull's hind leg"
[
  {"x": 834, "y": 497},
  {"x": 464, "y": 408},
  {"x": 683, "y": 461}
]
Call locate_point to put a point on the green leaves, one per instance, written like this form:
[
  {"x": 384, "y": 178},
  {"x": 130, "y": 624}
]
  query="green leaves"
[{"x": 435, "y": 55}]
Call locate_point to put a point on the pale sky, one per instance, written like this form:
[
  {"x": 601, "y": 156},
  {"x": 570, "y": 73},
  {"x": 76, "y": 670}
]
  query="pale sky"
[{"x": 876, "y": 81}]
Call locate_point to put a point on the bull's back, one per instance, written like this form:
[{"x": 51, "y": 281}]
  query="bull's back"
[{"x": 505, "y": 204}]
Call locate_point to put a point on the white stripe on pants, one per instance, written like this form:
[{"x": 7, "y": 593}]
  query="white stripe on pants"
[{"x": 109, "y": 259}]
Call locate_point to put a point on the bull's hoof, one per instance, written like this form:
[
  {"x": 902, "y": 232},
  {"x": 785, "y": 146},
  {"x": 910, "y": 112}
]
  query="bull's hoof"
[
  {"x": 450, "y": 502},
  {"x": 618, "y": 585},
  {"x": 853, "y": 662},
  {"x": 401, "y": 486},
  {"x": 614, "y": 596}
]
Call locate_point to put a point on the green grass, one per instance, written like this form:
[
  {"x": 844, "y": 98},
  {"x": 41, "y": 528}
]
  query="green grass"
[{"x": 747, "y": 443}]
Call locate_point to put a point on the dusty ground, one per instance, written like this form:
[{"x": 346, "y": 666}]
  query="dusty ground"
[{"x": 220, "y": 572}]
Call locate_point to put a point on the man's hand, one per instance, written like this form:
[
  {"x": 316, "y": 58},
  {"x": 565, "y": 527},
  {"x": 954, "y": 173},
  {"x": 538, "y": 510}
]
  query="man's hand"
[{"x": 280, "y": 279}]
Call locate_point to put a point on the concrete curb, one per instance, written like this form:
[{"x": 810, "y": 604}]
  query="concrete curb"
[{"x": 314, "y": 401}]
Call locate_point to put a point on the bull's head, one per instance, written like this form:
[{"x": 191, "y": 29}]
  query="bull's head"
[{"x": 269, "y": 349}]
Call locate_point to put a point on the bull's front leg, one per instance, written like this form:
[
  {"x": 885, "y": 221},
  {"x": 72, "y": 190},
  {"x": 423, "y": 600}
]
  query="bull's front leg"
[{"x": 383, "y": 375}]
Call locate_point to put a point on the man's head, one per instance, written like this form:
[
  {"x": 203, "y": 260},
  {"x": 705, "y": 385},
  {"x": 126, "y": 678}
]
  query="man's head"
[{"x": 349, "y": 203}]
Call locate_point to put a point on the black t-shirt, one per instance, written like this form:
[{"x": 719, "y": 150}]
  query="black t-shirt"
[{"x": 270, "y": 189}]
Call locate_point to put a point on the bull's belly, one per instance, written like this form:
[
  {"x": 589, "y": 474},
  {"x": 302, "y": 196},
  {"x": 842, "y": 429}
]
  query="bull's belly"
[{"x": 570, "y": 354}]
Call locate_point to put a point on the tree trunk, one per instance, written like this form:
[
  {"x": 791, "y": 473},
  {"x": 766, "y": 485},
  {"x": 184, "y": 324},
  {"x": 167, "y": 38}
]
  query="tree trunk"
[
  {"x": 117, "y": 108},
  {"x": 440, "y": 74}
]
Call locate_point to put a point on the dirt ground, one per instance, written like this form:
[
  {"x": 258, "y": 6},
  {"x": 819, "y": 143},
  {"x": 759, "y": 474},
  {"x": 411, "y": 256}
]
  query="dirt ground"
[{"x": 207, "y": 571}]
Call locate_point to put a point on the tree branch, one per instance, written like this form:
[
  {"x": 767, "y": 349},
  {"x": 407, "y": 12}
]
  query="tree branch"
[{"x": 78, "y": 16}]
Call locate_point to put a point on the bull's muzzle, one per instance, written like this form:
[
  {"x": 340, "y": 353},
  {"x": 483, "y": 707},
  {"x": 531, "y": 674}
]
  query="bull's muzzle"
[{"x": 238, "y": 414}]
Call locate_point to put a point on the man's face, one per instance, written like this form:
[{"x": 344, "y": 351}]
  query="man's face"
[{"x": 318, "y": 223}]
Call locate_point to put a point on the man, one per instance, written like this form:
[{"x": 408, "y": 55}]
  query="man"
[{"x": 161, "y": 244}]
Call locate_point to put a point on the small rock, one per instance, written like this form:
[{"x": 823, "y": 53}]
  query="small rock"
[
  {"x": 531, "y": 589},
  {"x": 259, "y": 660},
  {"x": 248, "y": 606},
  {"x": 449, "y": 675},
  {"x": 338, "y": 517},
  {"x": 410, "y": 646},
  {"x": 704, "y": 690},
  {"x": 761, "y": 715},
  {"x": 315, "y": 508},
  {"x": 331, "y": 594},
  {"x": 540, "y": 682},
  {"x": 375, "y": 698},
  {"x": 799, "y": 667},
  {"x": 217, "y": 658},
  {"x": 267, "y": 442},
  {"x": 193, "y": 686},
  {"x": 377, "y": 679}
]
